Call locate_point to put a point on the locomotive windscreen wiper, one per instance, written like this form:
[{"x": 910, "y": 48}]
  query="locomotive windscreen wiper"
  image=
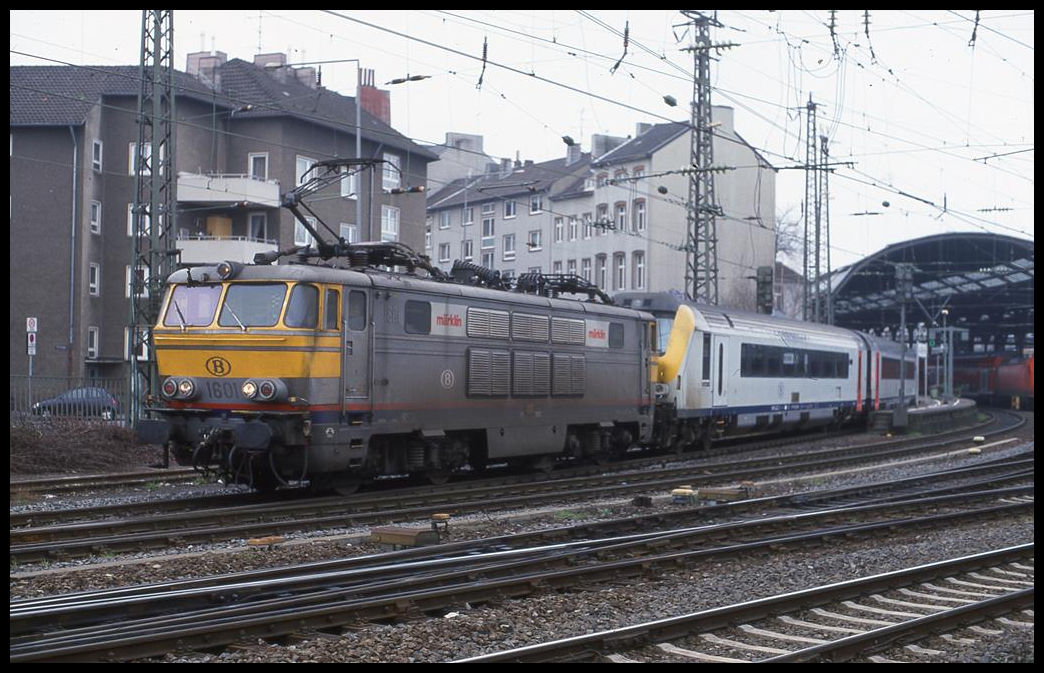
[
  {"x": 241, "y": 325},
  {"x": 181, "y": 316}
]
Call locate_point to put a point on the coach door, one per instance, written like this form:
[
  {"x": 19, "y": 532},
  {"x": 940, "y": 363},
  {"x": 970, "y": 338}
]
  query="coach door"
[
  {"x": 719, "y": 371},
  {"x": 357, "y": 346}
]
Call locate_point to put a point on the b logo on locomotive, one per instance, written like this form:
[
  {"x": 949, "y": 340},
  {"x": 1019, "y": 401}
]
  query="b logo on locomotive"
[{"x": 219, "y": 366}]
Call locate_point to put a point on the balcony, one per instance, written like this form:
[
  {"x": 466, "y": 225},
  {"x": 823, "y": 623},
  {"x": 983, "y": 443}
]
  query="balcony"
[
  {"x": 228, "y": 189},
  {"x": 203, "y": 249}
]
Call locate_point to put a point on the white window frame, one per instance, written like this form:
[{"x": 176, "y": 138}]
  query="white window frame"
[
  {"x": 141, "y": 356},
  {"x": 556, "y": 267},
  {"x": 132, "y": 155},
  {"x": 391, "y": 173},
  {"x": 130, "y": 221},
  {"x": 509, "y": 247},
  {"x": 445, "y": 219},
  {"x": 572, "y": 228},
  {"x": 467, "y": 216},
  {"x": 467, "y": 250},
  {"x": 349, "y": 188},
  {"x": 488, "y": 258},
  {"x": 301, "y": 166},
  {"x": 94, "y": 279},
  {"x": 638, "y": 270},
  {"x": 621, "y": 216},
  {"x": 389, "y": 223},
  {"x": 536, "y": 204},
  {"x": 489, "y": 234},
  {"x": 536, "y": 240},
  {"x": 96, "y": 156},
  {"x": 94, "y": 216},
  {"x": 301, "y": 235},
  {"x": 585, "y": 269},
  {"x": 588, "y": 227},
  {"x": 510, "y": 209},
  {"x": 571, "y": 267},
  {"x": 144, "y": 285},
  {"x": 444, "y": 252},
  {"x": 93, "y": 341},
  {"x": 619, "y": 271},
  {"x": 264, "y": 225},
  {"x": 349, "y": 232},
  {"x": 639, "y": 215},
  {"x": 559, "y": 229},
  {"x": 250, "y": 165}
]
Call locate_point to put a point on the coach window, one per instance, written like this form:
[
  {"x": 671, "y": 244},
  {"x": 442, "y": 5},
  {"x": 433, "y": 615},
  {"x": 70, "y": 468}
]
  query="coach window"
[
  {"x": 303, "y": 310},
  {"x": 616, "y": 335},
  {"x": 418, "y": 317},
  {"x": 706, "y": 356},
  {"x": 333, "y": 310},
  {"x": 356, "y": 310}
]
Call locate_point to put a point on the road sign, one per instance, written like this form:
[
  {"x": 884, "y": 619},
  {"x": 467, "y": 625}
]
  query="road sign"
[
  {"x": 31, "y": 343},
  {"x": 30, "y": 324}
]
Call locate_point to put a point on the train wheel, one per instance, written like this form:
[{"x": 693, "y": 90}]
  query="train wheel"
[
  {"x": 545, "y": 464},
  {"x": 347, "y": 486},
  {"x": 438, "y": 477}
]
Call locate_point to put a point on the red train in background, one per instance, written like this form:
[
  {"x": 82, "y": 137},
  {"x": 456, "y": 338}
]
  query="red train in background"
[{"x": 996, "y": 380}]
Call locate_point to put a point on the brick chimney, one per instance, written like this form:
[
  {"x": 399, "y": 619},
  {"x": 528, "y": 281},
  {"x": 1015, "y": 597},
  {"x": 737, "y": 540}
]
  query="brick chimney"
[
  {"x": 375, "y": 101},
  {"x": 203, "y": 64}
]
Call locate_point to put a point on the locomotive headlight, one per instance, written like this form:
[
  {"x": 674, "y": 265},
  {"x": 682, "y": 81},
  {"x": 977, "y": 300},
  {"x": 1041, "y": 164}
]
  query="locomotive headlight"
[
  {"x": 249, "y": 389},
  {"x": 186, "y": 389},
  {"x": 227, "y": 270},
  {"x": 169, "y": 388},
  {"x": 271, "y": 390}
]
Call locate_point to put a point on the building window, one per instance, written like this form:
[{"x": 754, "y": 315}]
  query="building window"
[
  {"x": 467, "y": 216},
  {"x": 488, "y": 218},
  {"x": 304, "y": 164},
  {"x": 391, "y": 177},
  {"x": 488, "y": 233},
  {"x": 467, "y": 249},
  {"x": 444, "y": 219},
  {"x": 509, "y": 247},
  {"x": 258, "y": 165},
  {"x": 258, "y": 226},
  {"x": 132, "y": 159},
  {"x": 487, "y": 260},
  {"x": 587, "y": 225},
  {"x": 638, "y": 271},
  {"x": 556, "y": 267},
  {"x": 602, "y": 219},
  {"x": 427, "y": 234},
  {"x": 534, "y": 243},
  {"x": 536, "y": 203},
  {"x": 95, "y": 217},
  {"x": 94, "y": 279},
  {"x": 621, "y": 216},
  {"x": 92, "y": 342},
  {"x": 350, "y": 233},
  {"x": 571, "y": 267},
  {"x": 620, "y": 277},
  {"x": 349, "y": 178},
  {"x": 301, "y": 235},
  {"x": 559, "y": 229},
  {"x": 603, "y": 179},
  {"x": 600, "y": 272},
  {"x": 572, "y": 228},
  {"x": 146, "y": 224},
  {"x": 639, "y": 215},
  {"x": 444, "y": 252},
  {"x": 96, "y": 156},
  {"x": 585, "y": 269},
  {"x": 510, "y": 208},
  {"x": 139, "y": 281},
  {"x": 389, "y": 223}
]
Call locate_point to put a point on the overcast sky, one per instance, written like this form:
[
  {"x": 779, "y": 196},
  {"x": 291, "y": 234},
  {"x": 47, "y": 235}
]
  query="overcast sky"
[{"x": 929, "y": 111}]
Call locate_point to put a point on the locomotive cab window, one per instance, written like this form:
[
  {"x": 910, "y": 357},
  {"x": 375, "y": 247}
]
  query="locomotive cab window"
[
  {"x": 192, "y": 306},
  {"x": 356, "y": 311},
  {"x": 303, "y": 310},
  {"x": 418, "y": 317},
  {"x": 252, "y": 305},
  {"x": 332, "y": 310}
]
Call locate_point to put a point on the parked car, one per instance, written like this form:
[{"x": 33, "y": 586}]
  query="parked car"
[{"x": 96, "y": 402}]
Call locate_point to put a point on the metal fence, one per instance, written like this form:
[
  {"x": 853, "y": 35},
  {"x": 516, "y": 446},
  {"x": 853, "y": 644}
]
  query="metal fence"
[{"x": 101, "y": 398}]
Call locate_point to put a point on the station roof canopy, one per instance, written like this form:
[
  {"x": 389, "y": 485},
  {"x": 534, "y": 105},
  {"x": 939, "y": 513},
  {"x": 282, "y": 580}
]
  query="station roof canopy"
[{"x": 984, "y": 281}]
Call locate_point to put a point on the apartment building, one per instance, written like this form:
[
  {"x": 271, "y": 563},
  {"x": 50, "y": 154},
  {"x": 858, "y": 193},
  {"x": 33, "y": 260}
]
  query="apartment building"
[{"x": 245, "y": 134}]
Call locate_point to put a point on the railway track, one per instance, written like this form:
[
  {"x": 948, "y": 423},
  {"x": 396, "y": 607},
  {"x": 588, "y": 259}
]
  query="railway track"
[
  {"x": 30, "y": 543},
  {"x": 144, "y": 621},
  {"x": 840, "y": 622}
]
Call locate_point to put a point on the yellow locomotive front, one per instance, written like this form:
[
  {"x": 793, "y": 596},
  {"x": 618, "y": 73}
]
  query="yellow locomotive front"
[{"x": 246, "y": 356}]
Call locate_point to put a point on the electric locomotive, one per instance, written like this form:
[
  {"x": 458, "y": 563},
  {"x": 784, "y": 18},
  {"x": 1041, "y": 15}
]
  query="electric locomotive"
[{"x": 340, "y": 374}]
